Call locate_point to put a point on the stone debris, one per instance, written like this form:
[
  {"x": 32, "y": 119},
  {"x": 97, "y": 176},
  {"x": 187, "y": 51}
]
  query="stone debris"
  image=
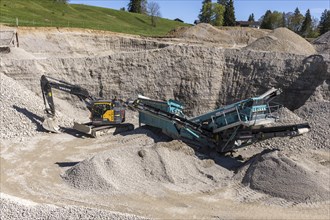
[
  {"x": 322, "y": 43},
  {"x": 22, "y": 110},
  {"x": 278, "y": 175},
  {"x": 13, "y": 208},
  {"x": 282, "y": 40},
  {"x": 148, "y": 170}
]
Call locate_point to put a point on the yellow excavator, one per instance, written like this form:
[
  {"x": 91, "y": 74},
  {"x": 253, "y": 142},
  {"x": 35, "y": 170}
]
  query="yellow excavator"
[{"x": 104, "y": 114}]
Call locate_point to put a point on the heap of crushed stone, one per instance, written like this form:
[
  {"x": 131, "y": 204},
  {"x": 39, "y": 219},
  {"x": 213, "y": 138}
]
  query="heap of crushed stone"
[
  {"x": 277, "y": 175},
  {"x": 21, "y": 110},
  {"x": 203, "y": 32},
  {"x": 282, "y": 40},
  {"x": 321, "y": 93},
  {"x": 245, "y": 35},
  {"x": 315, "y": 113},
  {"x": 15, "y": 53},
  {"x": 322, "y": 43},
  {"x": 16, "y": 208},
  {"x": 148, "y": 170}
]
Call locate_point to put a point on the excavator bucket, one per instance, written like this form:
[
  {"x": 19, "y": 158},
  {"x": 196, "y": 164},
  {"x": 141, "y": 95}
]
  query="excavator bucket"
[{"x": 51, "y": 125}]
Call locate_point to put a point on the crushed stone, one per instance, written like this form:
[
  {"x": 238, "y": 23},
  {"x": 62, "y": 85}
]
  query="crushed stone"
[
  {"x": 203, "y": 32},
  {"x": 21, "y": 110},
  {"x": 148, "y": 170},
  {"x": 282, "y": 40},
  {"x": 17, "y": 208},
  {"x": 278, "y": 175},
  {"x": 322, "y": 43}
]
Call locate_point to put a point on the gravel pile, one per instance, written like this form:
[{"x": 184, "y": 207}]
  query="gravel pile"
[
  {"x": 282, "y": 40},
  {"x": 17, "y": 54},
  {"x": 322, "y": 43},
  {"x": 147, "y": 170},
  {"x": 21, "y": 110},
  {"x": 203, "y": 32},
  {"x": 276, "y": 174},
  {"x": 16, "y": 208}
]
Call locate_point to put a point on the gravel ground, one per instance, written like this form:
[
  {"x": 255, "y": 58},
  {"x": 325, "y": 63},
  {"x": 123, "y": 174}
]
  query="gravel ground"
[{"x": 13, "y": 208}]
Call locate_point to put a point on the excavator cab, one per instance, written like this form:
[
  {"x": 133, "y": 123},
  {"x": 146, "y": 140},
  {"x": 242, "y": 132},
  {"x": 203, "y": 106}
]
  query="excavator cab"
[{"x": 107, "y": 112}]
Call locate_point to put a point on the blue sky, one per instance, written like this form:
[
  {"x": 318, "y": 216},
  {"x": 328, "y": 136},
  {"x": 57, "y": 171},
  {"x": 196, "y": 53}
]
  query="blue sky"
[{"x": 188, "y": 10}]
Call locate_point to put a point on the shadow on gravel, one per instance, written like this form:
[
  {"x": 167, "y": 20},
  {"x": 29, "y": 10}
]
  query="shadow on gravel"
[
  {"x": 37, "y": 120},
  {"x": 226, "y": 160},
  {"x": 66, "y": 164},
  {"x": 154, "y": 133}
]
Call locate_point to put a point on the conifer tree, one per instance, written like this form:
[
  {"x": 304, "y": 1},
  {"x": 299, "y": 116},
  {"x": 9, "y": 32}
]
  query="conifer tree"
[
  {"x": 324, "y": 25},
  {"x": 306, "y": 27},
  {"x": 251, "y": 18},
  {"x": 229, "y": 16},
  {"x": 135, "y": 6}
]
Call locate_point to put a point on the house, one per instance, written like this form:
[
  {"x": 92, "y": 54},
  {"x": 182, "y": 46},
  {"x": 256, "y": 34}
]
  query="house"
[
  {"x": 253, "y": 24},
  {"x": 178, "y": 19}
]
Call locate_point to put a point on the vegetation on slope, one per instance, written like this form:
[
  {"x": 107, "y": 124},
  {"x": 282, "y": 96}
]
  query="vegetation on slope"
[{"x": 48, "y": 13}]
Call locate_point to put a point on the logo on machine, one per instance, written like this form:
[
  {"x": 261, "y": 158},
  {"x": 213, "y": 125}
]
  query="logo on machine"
[{"x": 65, "y": 89}]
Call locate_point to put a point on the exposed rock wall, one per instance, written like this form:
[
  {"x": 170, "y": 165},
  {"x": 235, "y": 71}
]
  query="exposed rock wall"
[{"x": 201, "y": 77}]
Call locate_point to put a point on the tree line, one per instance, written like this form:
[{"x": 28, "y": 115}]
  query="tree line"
[
  {"x": 304, "y": 25},
  {"x": 222, "y": 13}
]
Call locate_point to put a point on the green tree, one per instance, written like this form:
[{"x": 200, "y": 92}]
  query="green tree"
[
  {"x": 295, "y": 21},
  {"x": 306, "y": 27},
  {"x": 229, "y": 15},
  {"x": 266, "y": 20},
  {"x": 222, "y": 2},
  {"x": 324, "y": 25},
  {"x": 135, "y": 6},
  {"x": 212, "y": 13},
  {"x": 272, "y": 20},
  {"x": 218, "y": 11},
  {"x": 205, "y": 15},
  {"x": 251, "y": 18}
]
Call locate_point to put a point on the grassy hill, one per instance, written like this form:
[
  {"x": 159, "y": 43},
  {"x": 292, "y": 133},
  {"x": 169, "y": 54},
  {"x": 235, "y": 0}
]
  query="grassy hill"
[{"x": 47, "y": 13}]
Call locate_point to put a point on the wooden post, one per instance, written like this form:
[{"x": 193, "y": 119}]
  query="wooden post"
[{"x": 17, "y": 39}]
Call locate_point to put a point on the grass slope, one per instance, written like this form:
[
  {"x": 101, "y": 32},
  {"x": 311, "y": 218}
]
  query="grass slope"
[{"x": 47, "y": 13}]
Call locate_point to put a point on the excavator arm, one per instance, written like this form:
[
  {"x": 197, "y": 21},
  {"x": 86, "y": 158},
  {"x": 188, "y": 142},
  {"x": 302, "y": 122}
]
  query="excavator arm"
[{"x": 47, "y": 83}]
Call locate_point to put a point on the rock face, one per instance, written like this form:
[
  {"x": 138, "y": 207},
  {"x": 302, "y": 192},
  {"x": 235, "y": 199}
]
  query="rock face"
[{"x": 202, "y": 78}]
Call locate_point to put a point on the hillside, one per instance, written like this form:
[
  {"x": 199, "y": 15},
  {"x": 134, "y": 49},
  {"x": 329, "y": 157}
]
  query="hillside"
[{"x": 47, "y": 13}]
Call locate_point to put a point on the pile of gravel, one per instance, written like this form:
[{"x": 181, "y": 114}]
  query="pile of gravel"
[
  {"x": 282, "y": 40},
  {"x": 203, "y": 32},
  {"x": 276, "y": 174},
  {"x": 322, "y": 43},
  {"x": 148, "y": 170},
  {"x": 21, "y": 110},
  {"x": 16, "y": 208}
]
